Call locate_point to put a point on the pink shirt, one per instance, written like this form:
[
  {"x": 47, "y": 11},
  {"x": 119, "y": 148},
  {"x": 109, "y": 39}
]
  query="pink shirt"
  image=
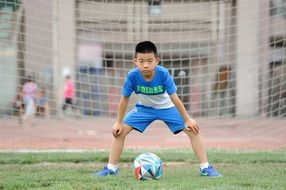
[
  {"x": 29, "y": 90},
  {"x": 68, "y": 89}
]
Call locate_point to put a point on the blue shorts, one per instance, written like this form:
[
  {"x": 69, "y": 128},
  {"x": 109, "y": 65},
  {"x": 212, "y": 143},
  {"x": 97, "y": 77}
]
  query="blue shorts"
[{"x": 140, "y": 117}]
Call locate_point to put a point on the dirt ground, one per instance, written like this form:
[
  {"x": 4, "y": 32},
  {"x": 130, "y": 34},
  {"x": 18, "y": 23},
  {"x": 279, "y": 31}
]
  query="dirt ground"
[{"x": 95, "y": 134}]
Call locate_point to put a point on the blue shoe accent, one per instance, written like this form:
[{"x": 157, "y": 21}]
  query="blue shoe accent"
[
  {"x": 104, "y": 172},
  {"x": 210, "y": 172}
]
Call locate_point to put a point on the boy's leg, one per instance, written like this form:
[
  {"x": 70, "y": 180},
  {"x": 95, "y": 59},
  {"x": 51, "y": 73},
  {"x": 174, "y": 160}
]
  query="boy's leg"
[
  {"x": 197, "y": 145},
  {"x": 115, "y": 152},
  {"x": 176, "y": 124},
  {"x": 118, "y": 144},
  {"x": 139, "y": 118},
  {"x": 200, "y": 152}
]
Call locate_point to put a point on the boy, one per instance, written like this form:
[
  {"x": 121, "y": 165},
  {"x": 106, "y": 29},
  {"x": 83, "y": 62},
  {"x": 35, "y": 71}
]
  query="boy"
[{"x": 158, "y": 100}]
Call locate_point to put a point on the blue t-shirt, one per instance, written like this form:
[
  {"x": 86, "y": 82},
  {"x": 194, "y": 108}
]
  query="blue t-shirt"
[
  {"x": 42, "y": 101},
  {"x": 155, "y": 93}
]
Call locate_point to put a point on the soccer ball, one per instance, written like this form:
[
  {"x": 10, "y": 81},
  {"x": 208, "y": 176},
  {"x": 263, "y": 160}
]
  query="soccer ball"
[{"x": 147, "y": 166}]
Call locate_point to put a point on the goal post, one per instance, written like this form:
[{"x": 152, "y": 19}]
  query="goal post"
[{"x": 227, "y": 57}]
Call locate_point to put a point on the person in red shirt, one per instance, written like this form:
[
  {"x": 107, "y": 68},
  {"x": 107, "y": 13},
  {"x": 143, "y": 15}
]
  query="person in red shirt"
[{"x": 68, "y": 93}]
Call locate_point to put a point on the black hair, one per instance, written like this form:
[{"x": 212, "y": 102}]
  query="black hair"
[
  {"x": 146, "y": 47},
  {"x": 29, "y": 78}
]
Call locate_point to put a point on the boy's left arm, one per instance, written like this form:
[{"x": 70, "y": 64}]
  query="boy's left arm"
[{"x": 190, "y": 123}]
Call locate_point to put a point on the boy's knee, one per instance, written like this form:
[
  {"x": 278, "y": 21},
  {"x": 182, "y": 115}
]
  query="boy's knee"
[
  {"x": 125, "y": 131},
  {"x": 189, "y": 133},
  {"x": 121, "y": 136}
]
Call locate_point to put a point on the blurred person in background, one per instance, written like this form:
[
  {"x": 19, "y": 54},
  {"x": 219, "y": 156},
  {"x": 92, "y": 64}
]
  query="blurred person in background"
[
  {"x": 68, "y": 95},
  {"x": 29, "y": 94},
  {"x": 43, "y": 104}
]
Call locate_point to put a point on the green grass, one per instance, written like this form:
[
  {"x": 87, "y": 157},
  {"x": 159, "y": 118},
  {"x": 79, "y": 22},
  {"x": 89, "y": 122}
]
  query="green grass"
[{"x": 241, "y": 170}]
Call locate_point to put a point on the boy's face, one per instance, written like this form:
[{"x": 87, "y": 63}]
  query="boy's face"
[{"x": 146, "y": 63}]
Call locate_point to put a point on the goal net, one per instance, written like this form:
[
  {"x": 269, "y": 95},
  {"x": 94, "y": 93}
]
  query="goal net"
[{"x": 227, "y": 57}]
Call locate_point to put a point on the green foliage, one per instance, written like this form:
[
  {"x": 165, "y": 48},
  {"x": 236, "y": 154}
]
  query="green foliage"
[{"x": 241, "y": 170}]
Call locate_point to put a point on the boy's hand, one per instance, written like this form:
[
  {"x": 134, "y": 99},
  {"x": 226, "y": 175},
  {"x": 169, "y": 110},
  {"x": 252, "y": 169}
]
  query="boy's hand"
[
  {"x": 117, "y": 129},
  {"x": 192, "y": 125}
]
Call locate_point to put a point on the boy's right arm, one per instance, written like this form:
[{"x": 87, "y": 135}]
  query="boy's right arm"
[{"x": 122, "y": 106}]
